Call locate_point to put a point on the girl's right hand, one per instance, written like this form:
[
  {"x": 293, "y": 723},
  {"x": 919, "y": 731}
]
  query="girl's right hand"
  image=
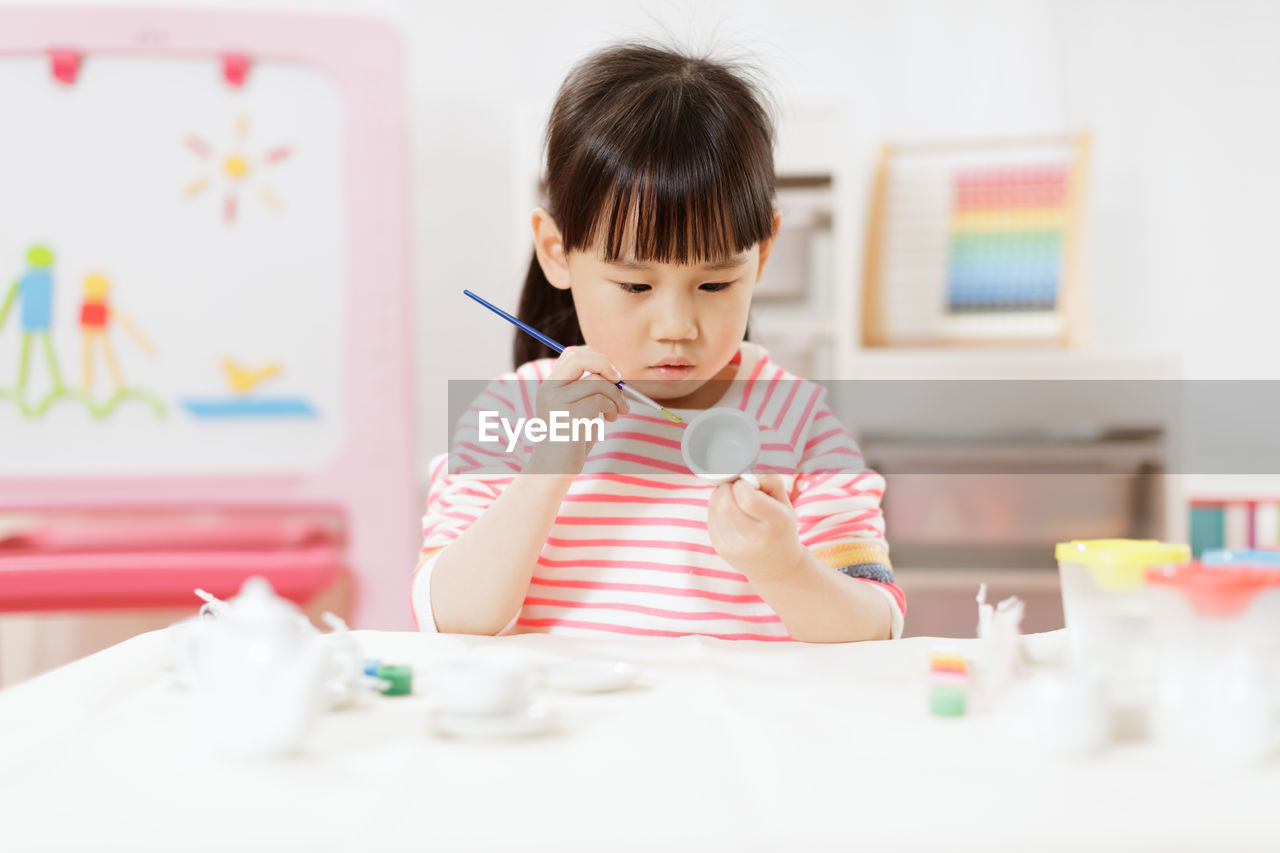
[{"x": 581, "y": 384}]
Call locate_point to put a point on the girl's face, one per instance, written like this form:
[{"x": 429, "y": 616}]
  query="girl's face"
[{"x": 669, "y": 328}]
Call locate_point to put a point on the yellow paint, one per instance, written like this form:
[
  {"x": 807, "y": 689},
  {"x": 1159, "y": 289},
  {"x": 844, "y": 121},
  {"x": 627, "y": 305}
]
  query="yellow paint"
[
  {"x": 111, "y": 361},
  {"x": 272, "y": 200},
  {"x": 195, "y": 187},
  {"x": 104, "y": 344},
  {"x": 136, "y": 333},
  {"x": 236, "y": 166},
  {"x": 88, "y": 362},
  {"x": 245, "y": 379},
  {"x": 96, "y": 288}
]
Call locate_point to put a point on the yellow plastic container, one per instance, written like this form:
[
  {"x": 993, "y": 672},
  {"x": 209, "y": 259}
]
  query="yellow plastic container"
[{"x": 1108, "y": 616}]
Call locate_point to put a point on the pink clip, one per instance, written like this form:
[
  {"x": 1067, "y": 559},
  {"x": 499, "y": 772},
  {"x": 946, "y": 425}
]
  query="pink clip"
[
  {"x": 234, "y": 67},
  {"x": 66, "y": 64}
]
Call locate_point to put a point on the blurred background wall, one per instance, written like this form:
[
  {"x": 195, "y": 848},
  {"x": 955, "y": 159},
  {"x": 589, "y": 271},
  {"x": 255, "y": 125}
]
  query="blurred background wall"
[{"x": 1177, "y": 94}]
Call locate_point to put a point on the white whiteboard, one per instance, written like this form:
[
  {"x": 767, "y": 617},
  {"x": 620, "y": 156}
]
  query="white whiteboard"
[{"x": 105, "y": 173}]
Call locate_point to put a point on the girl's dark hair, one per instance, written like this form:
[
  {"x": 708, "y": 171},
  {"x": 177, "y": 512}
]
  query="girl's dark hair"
[{"x": 663, "y": 156}]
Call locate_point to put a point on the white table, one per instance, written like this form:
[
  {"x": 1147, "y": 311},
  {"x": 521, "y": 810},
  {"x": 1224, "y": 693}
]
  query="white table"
[{"x": 724, "y": 746}]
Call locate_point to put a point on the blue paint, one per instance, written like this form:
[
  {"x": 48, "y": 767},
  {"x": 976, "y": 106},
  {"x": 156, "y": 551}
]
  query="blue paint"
[
  {"x": 37, "y": 301},
  {"x": 261, "y": 407}
]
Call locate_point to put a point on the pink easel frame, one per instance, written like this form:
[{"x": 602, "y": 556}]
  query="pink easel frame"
[{"x": 372, "y": 476}]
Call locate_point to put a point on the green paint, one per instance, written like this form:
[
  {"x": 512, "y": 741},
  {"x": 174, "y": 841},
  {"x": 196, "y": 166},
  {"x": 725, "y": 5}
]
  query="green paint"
[
  {"x": 53, "y": 363},
  {"x": 60, "y": 393},
  {"x": 22, "y": 362},
  {"x": 15, "y": 398},
  {"x": 8, "y": 301},
  {"x": 123, "y": 394},
  {"x": 401, "y": 678},
  {"x": 947, "y": 701},
  {"x": 40, "y": 257}
]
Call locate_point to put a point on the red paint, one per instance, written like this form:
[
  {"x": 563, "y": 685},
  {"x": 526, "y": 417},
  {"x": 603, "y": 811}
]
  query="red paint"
[
  {"x": 198, "y": 145},
  {"x": 235, "y": 67},
  {"x": 93, "y": 315},
  {"x": 65, "y": 64}
]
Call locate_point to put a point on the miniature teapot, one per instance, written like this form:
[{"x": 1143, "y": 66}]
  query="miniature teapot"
[{"x": 257, "y": 670}]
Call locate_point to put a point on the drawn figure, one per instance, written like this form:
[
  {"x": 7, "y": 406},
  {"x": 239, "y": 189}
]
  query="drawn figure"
[
  {"x": 96, "y": 315},
  {"x": 34, "y": 290},
  {"x": 244, "y": 379}
]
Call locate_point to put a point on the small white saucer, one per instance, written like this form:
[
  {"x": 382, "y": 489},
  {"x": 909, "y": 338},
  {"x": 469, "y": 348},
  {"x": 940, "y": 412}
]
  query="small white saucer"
[
  {"x": 591, "y": 676},
  {"x": 535, "y": 718}
]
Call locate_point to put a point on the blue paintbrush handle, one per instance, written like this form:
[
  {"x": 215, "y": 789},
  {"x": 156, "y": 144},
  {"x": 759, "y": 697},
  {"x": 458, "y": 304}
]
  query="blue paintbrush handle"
[{"x": 524, "y": 326}]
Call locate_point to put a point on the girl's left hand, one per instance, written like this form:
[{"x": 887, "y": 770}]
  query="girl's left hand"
[{"x": 754, "y": 530}]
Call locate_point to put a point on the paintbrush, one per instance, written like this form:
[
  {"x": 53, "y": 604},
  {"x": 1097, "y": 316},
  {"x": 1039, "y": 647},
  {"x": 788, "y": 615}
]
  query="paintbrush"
[{"x": 622, "y": 386}]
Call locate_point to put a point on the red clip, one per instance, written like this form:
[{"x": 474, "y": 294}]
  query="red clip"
[
  {"x": 66, "y": 64},
  {"x": 234, "y": 67}
]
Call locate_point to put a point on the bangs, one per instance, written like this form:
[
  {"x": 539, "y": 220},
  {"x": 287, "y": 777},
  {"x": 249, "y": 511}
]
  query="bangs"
[
  {"x": 661, "y": 217},
  {"x": 669, "y": 166}
]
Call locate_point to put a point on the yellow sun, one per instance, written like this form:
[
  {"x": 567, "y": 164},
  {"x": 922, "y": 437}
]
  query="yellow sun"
[{"x": 236, "y": 164}]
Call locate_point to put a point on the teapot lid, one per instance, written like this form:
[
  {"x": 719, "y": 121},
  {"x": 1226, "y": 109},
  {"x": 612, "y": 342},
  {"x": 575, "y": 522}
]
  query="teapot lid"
[{"x": 257, "y": 602}]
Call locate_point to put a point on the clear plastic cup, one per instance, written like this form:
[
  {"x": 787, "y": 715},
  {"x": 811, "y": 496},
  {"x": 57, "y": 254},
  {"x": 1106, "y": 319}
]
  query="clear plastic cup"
[
  {"x": 1108, "y": 618},
  {"x": 1213, "y": 633},
  {"x": 1262, "y": 559}
]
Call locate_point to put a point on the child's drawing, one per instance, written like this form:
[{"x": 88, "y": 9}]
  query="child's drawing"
[
  {"x": 33, "y": 290},
  {"x": 235, "y": 168}
]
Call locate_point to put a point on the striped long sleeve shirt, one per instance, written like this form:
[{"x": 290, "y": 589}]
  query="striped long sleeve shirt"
[{"x": 629, "y": 551}]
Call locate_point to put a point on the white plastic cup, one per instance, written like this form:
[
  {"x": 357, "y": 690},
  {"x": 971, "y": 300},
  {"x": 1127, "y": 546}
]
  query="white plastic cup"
[
  {"x": 483, "y": 687},
  {"x": 1211, "y": 631},
  {"x": 722, "y": 445}
]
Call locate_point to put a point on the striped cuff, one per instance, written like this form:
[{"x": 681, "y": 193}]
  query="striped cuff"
[
  {"x": 867, "y": 561},
  {"x": 897, "y": 620},
  {"x": 871, "y": 571},
  {"x": 857, "y": 554},
  {"x": 420, "y": 592}
]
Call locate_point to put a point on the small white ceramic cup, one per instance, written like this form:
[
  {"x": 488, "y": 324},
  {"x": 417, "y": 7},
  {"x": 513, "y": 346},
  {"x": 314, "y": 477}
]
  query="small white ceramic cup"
[
  {"x": 482, "y": 687},
  {"x": 721, "y": 445}
]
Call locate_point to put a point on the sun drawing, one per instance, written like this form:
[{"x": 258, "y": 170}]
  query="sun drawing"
[{"x": 235, "y": 168}]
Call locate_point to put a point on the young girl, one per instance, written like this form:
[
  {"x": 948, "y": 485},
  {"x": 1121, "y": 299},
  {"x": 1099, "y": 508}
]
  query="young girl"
[{"x": 660, "y": 219}]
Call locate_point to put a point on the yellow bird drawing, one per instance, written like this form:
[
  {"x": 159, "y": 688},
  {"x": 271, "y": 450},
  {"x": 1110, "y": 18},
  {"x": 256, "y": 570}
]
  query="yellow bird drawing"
[{"x": 244, "y": 379}]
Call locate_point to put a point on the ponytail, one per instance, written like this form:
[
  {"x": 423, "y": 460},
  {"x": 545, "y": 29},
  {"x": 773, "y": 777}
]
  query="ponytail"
[{"x": 549, "y": 310}]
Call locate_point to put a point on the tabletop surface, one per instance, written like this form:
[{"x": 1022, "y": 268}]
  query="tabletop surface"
[{"x": 720, "y": 746}]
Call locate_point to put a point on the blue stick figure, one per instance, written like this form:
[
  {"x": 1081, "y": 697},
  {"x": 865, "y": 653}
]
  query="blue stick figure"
[{"x": 34, "y": 289}]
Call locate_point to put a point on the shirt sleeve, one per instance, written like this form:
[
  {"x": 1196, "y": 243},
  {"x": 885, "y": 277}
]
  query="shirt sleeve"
[
  {"x": 837, "y": 504},
  {"x": 467, "y": 480}
]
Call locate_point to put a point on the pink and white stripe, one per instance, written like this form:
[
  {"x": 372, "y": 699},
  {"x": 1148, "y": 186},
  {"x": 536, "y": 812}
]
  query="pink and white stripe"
[{"x": 629, "y": 552}]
